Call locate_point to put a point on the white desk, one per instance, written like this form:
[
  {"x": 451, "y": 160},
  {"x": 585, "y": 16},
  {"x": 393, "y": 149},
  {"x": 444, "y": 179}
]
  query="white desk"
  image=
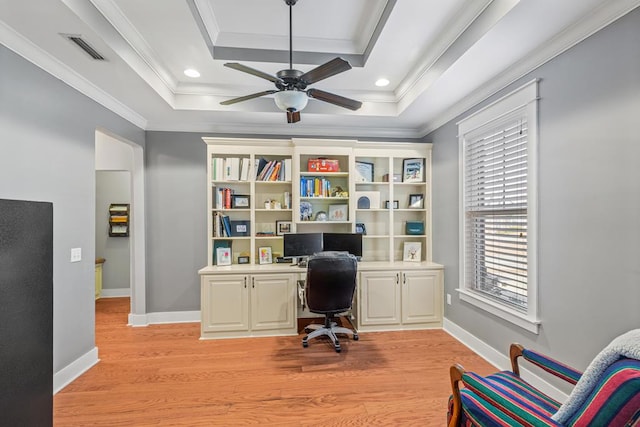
[{"x": 244, "y": 300}]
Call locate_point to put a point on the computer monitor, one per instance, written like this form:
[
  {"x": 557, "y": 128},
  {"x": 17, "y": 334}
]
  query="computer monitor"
[
  {"x": 345, "y": 242},
  {"x": 302, "y": 245}
]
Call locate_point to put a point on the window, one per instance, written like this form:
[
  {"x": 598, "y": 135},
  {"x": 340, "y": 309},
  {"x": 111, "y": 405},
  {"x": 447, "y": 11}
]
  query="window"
[{"x": 498, "y": 148}]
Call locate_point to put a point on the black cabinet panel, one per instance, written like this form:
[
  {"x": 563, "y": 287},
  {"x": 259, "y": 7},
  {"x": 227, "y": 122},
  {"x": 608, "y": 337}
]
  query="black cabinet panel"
[{"x": 26, "y": 313}]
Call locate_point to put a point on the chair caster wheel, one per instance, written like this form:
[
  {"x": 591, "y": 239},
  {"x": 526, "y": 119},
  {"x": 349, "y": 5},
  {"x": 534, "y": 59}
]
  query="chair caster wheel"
[
  {"x": 305, "y": 343},
  {"x": 356, "y": 337},
  {"x": 338, "y": 349}
]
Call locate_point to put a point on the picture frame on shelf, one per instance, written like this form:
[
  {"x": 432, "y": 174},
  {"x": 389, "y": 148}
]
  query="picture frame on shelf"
[
  {"x": 364, "y": 172},
  {"x": 306, "y": 211},
  {"x": 413, "y": 170},
  {"x": 360, "y": 228},
  {"x": 412, "y": 252},
  {"x": 240, "y": 228},
  {"x": 339, "y": 212},
  {"x": 283, "y": 227},
  {"x": 243, "y": 259},
  {"x": 416, "y": 201},
  {"x": 387, "y": 204},
  {"x": 240, "y": 201},
  {"x": 223, "y": 256},
  {"x": 264, "y": 255}
]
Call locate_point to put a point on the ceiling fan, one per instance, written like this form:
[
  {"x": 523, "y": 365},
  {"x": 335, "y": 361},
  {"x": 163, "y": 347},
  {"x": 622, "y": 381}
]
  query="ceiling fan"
[{"x": 292, "y": 94}]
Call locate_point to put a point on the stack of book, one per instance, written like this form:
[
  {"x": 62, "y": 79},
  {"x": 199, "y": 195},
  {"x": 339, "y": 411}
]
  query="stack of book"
[
  {"x": 273, "y": 170},
  {"x": 315, "y": 187},
  {"x": 230, "y": 169}
]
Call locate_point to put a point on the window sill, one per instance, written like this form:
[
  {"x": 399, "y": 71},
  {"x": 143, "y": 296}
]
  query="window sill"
[{"x": 510, "y": 315}]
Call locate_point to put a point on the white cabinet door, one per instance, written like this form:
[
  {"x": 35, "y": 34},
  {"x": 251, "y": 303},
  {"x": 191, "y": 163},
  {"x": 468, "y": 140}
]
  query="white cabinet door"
[
  {"x": 226, "y": 302},
  {"x": 379, "y": 298},
  {"x": 421, "y": 297},
  {"x": 272, "y": 302}
]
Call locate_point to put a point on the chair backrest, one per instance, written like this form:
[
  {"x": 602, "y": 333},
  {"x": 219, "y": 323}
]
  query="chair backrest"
[
  {"x": 615, "y": 399},
  {"x": 331, "y": 282}
]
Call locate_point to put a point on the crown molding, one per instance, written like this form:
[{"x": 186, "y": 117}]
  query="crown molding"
[
  {"x": 585, "y": 27},
  {"x": 288, "y": 130},
  {"x": 32, "y": 53}
]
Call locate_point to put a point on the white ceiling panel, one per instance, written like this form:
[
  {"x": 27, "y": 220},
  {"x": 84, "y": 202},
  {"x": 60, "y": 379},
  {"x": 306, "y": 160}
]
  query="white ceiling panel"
[{"x": 440, "y": 57}]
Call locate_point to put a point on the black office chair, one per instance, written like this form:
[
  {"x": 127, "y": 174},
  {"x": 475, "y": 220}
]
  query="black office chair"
[{"x": 330, "y": 284}]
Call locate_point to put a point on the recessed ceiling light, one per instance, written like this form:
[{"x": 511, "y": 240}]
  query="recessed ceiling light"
[
  {"x": 190, "y": 72},
  {"x": 382, "y": 82}
]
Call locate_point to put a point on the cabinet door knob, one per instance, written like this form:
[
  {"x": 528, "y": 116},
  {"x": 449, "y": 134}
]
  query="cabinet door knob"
[
  {"x": 397, "y": 278},
  {"x": 253, "y": 282},
  {"x": 245, "y": 282},
  {"x": 404, "y": 278}
]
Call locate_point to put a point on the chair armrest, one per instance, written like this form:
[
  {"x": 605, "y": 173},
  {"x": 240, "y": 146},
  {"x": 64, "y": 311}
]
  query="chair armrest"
[
  {"x": 503, "y": 402},
  {"x": 455, "y": 372},
  {"x": 546, "y": 363}
]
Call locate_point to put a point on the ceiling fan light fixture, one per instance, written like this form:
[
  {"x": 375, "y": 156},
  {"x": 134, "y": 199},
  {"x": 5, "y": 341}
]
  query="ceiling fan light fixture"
[{"x": 291, "y": 100}]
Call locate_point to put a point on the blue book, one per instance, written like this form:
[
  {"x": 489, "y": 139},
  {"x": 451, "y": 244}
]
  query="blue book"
[{"x": 227, "y": 225}]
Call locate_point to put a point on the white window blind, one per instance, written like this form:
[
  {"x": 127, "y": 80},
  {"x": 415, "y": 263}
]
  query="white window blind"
[{"x": 495, "y": 203}]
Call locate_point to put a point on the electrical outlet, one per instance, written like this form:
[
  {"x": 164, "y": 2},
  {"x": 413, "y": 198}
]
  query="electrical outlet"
[
  {"x": 76, "y": 254},
  {"x": 449, "y": 299}
]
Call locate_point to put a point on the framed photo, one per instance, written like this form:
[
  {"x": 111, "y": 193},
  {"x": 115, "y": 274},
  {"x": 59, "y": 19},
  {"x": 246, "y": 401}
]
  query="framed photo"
[
  {"x": 364, "y": 172},
  {"x": 223, "y": 256},
  {"x": 387, "y": 204},
  {"x": 416, "y": 201},
  {"x": 360, "y": 228},
  {"x": 413, "y": 170},
  {"x": 412, "y": 251},
  {"x": 243, "y": 259},
  {"x": 239, "y": 201},
  {"x": 240, "y": 228},
  {"x": 283, "y": 227},
  {"x": 338, "y": 212},
  {"x": 264, "y": 254}
]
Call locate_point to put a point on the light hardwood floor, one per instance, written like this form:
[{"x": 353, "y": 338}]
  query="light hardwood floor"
[{"x": 163, "y": 375}]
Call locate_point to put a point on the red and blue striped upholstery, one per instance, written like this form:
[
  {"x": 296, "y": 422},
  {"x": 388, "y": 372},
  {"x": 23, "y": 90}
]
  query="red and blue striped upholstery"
[
  {"x": 552, "y": 366},
  {"x": 504, "y": 399},
  {"x": 615, "y": 401}
]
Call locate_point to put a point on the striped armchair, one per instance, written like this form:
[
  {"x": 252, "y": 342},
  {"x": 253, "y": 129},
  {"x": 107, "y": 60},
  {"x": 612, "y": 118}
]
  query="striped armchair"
[{"x": 610, "y": 396}]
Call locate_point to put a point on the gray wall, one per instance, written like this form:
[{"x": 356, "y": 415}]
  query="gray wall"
[
  {"x": 176, "y": 183},
  {"x": 47, "y": 137},
  {"x": 112, "y": 187},
  {"x": 589, "y": 201}
]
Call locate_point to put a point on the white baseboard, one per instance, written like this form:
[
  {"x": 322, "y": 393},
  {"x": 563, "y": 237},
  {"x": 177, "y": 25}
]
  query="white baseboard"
[
  {"x": 164, "y": 317},
  {"x": 115, "y": 293},
  {"x": 500, "y": 359},
  {"x": 66, "y": 375}
]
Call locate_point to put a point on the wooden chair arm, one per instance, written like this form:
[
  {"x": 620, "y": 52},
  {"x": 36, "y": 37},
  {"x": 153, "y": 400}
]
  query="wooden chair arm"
[
  {"x": 455, "y": 372},
  {"x": 515, "y": 351}
]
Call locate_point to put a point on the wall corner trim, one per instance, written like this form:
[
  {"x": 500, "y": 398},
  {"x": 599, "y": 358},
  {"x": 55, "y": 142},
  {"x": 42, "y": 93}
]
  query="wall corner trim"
[{"x": 73, "y": 370}]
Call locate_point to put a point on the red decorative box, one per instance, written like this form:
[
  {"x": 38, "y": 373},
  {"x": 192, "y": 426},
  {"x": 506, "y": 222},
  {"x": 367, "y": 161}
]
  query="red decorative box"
[{"x": 323, "y": 165}]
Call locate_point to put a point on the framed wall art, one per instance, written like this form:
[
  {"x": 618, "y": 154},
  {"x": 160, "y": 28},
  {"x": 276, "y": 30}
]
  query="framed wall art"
[{"x": 413, "y": 170}]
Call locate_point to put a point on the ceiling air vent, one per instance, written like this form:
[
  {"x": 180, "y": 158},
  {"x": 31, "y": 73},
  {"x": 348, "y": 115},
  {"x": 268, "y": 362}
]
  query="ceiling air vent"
[{"x": 80, "y": 42}]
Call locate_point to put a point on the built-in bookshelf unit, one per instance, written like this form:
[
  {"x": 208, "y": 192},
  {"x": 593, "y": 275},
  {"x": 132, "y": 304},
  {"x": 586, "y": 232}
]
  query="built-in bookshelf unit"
[
  {"x": 249, "y": 194},
  {"x": 261, "y": 189}
]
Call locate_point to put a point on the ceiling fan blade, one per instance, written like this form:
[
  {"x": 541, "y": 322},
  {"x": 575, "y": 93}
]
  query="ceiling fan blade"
[
  {"x": 328, "y": 69},
  {"x": 248, "y": 97},
  {"x": 332, "y": 98},
  {"x": 253, "y": 71},
  {"x": 293, "y": 116}
]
